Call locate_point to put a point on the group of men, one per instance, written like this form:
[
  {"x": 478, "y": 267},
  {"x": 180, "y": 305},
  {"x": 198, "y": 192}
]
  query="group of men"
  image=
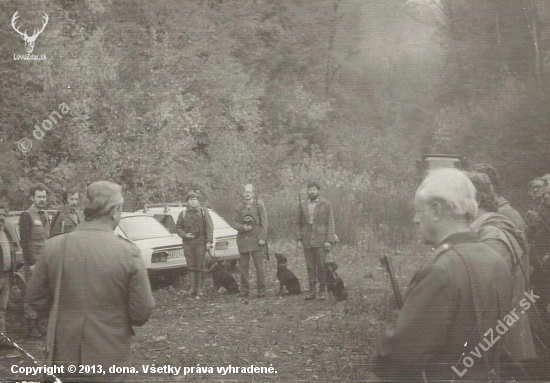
[
  {"x": 479, "y": 279},
  {"x": 94, "y": 283},
  {"x": 468, "y": 313},
  {"x": 314, "y": 226}
]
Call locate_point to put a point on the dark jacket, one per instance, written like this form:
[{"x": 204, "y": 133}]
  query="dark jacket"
[
  {"x": 12, "y": 253},
  {"x": 197, "y": 222},
  {"x": 507, "y": 210},
  {"x": 438, "y": 321},
  {"x": 33, "y": 234},
  {"x": 499, "y": 233},
  {"x": 63, "y": 221},
  {"x": 247, "y": 241},
  {"x": 104, "y": 292},
  {"x": 322, "y": 229}
]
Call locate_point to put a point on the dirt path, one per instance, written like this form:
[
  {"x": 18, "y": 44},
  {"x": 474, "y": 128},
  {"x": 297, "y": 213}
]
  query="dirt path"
[{"x": 301, "y": 340}]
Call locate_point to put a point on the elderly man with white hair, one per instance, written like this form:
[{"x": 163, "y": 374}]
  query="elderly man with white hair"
[
  {"x": 97, "y": 285},
  {"x": 447, "y": 328}
]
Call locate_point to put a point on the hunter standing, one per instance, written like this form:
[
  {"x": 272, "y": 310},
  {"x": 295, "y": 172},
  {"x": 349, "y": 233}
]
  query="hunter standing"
[
  {"x": 68, "y": 217},
  {"x": 251, "y": 223},
  {"x": 97, "y": 286},
  {"x": 462, "y": 289},
  {"x": 34, "y": 229},
  {"x": 196, "y": 230},
  {"x": 7, "y": 265},
  {"x": 315, "y": 234}
]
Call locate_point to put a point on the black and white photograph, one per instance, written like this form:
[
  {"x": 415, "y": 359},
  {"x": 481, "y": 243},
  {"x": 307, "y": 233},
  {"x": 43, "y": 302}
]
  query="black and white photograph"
[{"x": 275, "y": 191}]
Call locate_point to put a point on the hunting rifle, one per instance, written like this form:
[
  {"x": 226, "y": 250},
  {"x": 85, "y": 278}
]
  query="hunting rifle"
[
  {"x": 266, "y": 249},
  {"x": 386, "y": 263}
]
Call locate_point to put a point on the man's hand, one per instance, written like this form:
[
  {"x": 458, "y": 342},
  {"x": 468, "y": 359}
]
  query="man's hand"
[
  {"x": 208, "y": 245},
  {"x": 327, "y": 246},
  {"x": 247, "y": 227},
  {"x": 299, "y": 244},
  {"x": 190, "y": 235},
  {"x": 261, "y": 242}
]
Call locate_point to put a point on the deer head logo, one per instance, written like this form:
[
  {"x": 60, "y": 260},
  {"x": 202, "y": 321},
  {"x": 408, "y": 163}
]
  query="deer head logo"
[{"x": 29, "y": 40}]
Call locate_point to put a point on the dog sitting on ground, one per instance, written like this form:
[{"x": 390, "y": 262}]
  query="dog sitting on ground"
[
  {"x": 222, "y": 278},
  {"x": 335, "y": 285},
  {"x": 286, "y": 277}
]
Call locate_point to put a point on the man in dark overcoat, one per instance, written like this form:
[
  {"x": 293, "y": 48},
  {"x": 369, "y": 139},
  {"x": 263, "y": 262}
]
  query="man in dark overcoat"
[
  {"x": 250, "y": 220},
  {"x": 450, "y": 323}
]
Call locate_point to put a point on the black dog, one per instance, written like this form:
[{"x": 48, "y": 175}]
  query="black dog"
[
  {"x": 286, "y": 277},
  {"x": 335, "y": 285},
  {"x": 222, "y": 278}
]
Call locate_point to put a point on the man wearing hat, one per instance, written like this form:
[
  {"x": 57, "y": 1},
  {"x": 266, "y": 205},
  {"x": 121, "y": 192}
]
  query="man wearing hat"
[
  {"x": 251, "y": 223},
  {"x": 196, "y": 229},
  {"x": 315, "y": 234},
  {"x": 95, "y": 285}
]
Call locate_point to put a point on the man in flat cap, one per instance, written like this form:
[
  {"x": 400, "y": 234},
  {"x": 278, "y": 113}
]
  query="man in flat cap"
[
  {"x": 97, "y": 285},
  {"x": 196, "y": 230}
]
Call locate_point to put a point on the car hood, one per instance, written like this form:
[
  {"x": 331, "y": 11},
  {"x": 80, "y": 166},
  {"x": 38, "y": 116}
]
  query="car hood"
[
  {"x": 225, "y": 232},
  {"x": 158, "y": 242}
]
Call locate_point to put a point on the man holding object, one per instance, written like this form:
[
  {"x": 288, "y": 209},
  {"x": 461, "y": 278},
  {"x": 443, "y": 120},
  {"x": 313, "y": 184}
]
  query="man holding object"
[
  {"x": 251, "y": 223},
  {"x": 315, "y": 234},
  {"x": 461, "y": 291}
]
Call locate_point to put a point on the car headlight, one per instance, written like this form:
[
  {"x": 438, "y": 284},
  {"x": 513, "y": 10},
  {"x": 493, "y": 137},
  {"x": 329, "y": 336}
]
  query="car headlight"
[{"x": 159, "y": 257}]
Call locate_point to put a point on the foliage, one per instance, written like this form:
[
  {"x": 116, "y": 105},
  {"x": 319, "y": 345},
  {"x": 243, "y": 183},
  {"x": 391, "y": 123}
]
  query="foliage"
[{"x": 167, "y": 97}]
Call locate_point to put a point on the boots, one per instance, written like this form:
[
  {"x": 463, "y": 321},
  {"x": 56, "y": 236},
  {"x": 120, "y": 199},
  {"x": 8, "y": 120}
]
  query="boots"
[
  {"x": 198, "y": 282},
  {"x": 192, "y": 286},
  {"x": 321, "y": 292},
  {"x": 32, "y": 329},
  {"x": 312, "y": 292}
]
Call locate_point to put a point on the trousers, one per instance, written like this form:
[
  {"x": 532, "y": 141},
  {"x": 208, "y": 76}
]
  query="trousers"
[
  {"x": 258, "y": 259},
  {"x": 194, "y": 252},
  {"x": 315, "y": 263}
]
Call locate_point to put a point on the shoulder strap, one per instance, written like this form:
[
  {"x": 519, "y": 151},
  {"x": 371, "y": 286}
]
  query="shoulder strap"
[
  {"x": 477, "y": 303},
  {"x": 52, "y": 323},
  {"x": 55, "y": 220},
  {"x": 258, "y": 211},
  {"x": 203, "y": 224}
]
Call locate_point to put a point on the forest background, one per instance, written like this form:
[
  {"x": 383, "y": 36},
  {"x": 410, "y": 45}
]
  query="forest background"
[{"x": 170, "y": 96}]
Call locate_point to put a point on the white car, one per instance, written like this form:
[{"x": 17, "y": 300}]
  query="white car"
[
  {"x": 162, "y": 253},
  {"x": 225, "y": 237}
]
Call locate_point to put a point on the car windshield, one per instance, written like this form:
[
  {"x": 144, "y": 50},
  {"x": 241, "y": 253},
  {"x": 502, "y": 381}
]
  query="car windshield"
[
  {"x": 218, "y": 221},
  {"x": 167, "y": 221},
  {"x": 142, "y": 227}
]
